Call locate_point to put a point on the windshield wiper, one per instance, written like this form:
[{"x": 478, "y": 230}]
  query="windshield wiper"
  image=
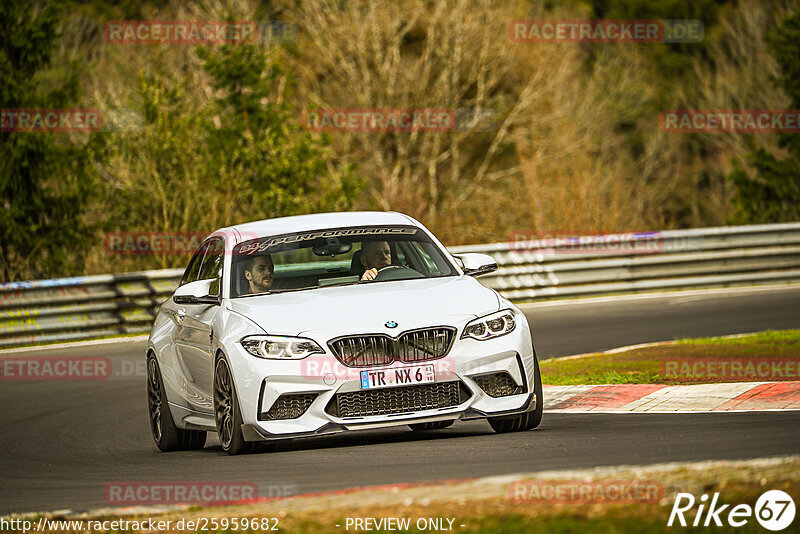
[
  {"x": 340, "y": 284},
  {"x": 290, "y": 290}
]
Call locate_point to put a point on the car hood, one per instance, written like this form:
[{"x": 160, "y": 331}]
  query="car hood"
[{"x": 368, "y": 307}]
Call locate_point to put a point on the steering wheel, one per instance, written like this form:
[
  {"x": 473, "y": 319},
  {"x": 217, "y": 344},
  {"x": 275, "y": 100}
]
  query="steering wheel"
[{"x": 396, "y": 272}]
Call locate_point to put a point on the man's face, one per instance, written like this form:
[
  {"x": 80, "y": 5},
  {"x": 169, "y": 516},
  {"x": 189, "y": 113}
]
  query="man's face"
[
  {"x": 260, "y": 274},
  {"x": 376, "y": 254}
]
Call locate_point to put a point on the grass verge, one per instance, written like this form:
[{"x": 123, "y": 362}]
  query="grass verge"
[
  {"x": 493, "y": 504},
  {"x": 766, "y": 356}
]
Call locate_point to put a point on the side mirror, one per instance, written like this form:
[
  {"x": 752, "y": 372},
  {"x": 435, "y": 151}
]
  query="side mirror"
[
  {"x": 197, "y": 292},
  {"x": 475, "y": 264}
]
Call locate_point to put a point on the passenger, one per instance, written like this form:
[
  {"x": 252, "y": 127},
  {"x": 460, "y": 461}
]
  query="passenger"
[{"x": 260, "y": 273}]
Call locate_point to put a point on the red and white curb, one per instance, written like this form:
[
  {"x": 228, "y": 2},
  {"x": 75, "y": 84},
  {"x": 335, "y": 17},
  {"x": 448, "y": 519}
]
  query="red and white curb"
[{"x": 740, "y": 396}]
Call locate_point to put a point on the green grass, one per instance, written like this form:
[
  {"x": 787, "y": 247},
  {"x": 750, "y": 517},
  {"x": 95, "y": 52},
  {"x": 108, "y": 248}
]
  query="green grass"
[
  {"x": 500, "y": 517},
  {"x": 613, "y": 523},
  {"x": 770, "y": 337},
  {"x": 495, "y": 513},
  {"x": 647, "y": 365}
]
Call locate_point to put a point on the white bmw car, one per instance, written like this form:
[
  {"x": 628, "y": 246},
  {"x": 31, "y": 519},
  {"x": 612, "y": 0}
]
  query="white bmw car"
[{"x": 319, "y": 324}]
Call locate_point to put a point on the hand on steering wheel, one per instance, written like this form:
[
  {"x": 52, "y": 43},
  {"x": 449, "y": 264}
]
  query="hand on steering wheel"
[{"x": 372, "y": 274}]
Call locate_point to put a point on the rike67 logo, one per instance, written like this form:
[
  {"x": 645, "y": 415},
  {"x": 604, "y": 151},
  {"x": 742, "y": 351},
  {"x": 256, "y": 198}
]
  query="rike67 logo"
[{"x": 774, "y": 510}]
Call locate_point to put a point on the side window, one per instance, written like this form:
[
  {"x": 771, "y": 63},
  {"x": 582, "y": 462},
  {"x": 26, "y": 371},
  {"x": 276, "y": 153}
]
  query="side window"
[
  {"x": 401, "y": 251},
  {"x": 212, "y": 264},
  {"x": 190, "y": 275},
  {"x": 417, "y": 258},
  {"x": 427, "y": 265},
  {"x": 434, "y": 262}
]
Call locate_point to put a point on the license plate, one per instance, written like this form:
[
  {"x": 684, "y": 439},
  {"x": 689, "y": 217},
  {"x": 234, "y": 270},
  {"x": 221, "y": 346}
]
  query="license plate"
[{"x": 397, "y": 376}]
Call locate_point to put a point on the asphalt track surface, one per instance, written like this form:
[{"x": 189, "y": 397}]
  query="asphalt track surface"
[{"x": 62, "y": 442}]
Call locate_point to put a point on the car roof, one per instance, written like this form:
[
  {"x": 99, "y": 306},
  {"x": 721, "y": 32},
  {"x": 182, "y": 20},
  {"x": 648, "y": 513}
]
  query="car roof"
[{"x": 318, "y": 221}]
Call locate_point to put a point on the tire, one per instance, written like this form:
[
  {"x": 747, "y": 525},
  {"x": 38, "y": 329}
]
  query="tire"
[
  {"x": 166, "y": 434},
  {"x": 227, "y": 413},
  {"x": 435, "y": 425},
  {"x": 527, "y": 420}
]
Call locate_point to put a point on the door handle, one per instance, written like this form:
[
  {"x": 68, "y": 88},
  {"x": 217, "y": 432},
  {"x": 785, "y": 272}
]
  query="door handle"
[{"x": 180, "y": 314}]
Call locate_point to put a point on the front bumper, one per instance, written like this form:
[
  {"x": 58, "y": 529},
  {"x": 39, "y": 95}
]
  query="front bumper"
[
  {"x": 259, "y": 433},
  {"x": 261, "y": 383}
]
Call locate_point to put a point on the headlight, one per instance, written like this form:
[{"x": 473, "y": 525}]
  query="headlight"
[
  {"x": 490, "y": 326},
  {"x": 280, "y": 348}
]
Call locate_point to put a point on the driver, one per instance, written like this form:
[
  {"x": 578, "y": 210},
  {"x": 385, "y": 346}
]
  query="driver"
[
  {"x": 259, "y": 272},
  {"x": 375, "y": 255}
]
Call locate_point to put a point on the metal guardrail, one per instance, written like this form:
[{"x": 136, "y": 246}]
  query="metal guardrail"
[
  {"x": 93, "y": 306},
  {"x": 83, "y": 307}
]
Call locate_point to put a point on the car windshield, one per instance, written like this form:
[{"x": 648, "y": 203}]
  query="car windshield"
[{"x": 337, "y": 256}]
